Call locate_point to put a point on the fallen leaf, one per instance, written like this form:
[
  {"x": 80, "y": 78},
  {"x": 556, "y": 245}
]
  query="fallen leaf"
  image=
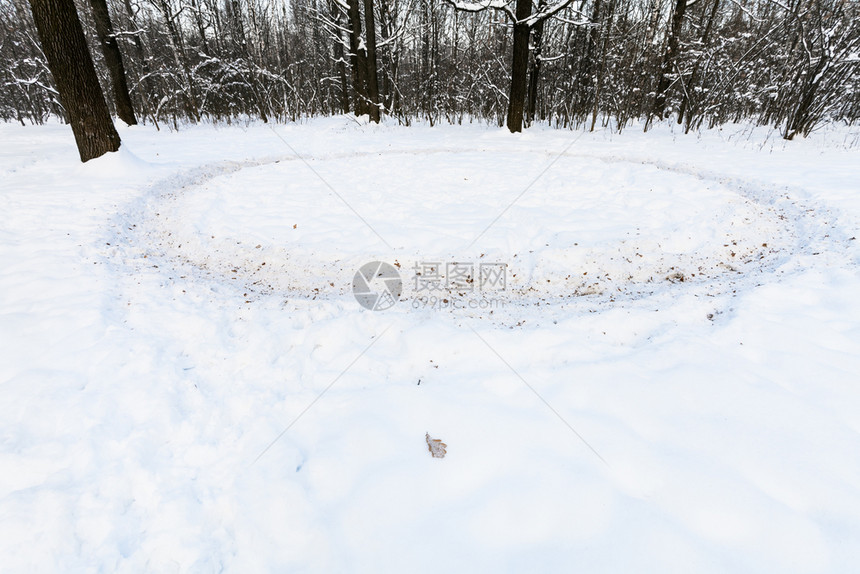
[{"x": 435, "y": 446}]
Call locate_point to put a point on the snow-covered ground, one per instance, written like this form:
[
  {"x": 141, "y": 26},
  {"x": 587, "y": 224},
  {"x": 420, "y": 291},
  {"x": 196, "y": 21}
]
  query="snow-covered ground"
[{"x": 668, "y": 382}]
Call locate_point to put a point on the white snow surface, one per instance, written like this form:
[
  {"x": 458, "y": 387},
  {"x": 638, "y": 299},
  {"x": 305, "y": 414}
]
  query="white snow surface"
[{"x": 670, "y": 381}]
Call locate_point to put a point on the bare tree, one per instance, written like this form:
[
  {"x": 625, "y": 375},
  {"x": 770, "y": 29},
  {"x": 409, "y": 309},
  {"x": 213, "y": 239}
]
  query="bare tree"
[
  {"x": 523, "y": 20},
  {"x": 790, "y": 64}
]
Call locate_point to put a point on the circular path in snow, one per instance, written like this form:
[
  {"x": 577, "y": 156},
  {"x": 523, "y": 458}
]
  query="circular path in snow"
[{"x": 586, "y": 226}]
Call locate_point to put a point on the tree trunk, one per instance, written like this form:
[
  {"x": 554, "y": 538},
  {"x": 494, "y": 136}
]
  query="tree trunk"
[
  {"x": 341, "y": 70},
  {"x": 113, "y": 61},
  {"x": 424, "y": 83},
  {"x": 357, "y": 59},
  {"x": 372, "y": 79},
  {"x": 669, "y": 57},
  {"x": 519, "y": 67},
  {"x": 71, "y": 65},
  {"x": 534, "y": 74}
]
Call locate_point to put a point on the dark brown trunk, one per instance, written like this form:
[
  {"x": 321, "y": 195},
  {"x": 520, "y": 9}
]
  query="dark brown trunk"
[
  {"x": 425, "y": 81},
  {"x": 534, "y": 74},
  {"x": 341, "y": 70},
  {"x": 519, "y": 67},
  {"x": 669, "y": 57},
  {"x": 71, "y": 65},
  {"x": 113, "y": 61},
  {"x": 372, "y": 79},
  {"x": 335, "y": 12},
  {"x": 358, "y": 59}
]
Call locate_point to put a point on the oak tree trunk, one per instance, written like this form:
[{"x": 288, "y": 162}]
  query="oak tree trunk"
[
  {"x": 519, "y": 66},
  {"x": 358, "y": 59},
  {"x": 113, "y": 61},
  {"x": 534, "y": 73},
  {"x": 372, "y": 79},
  {"x": 339, "y": 58},
  {"x": 69, "y": 60},
  {"x": 669, "y": 57}
]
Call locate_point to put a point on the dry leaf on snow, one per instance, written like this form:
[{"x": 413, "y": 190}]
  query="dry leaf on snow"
[{"x": 435, "y": 446}]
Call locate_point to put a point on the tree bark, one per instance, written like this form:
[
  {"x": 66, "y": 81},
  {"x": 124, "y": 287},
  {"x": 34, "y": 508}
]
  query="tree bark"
[
  {"x": 341, "y": 70},
  {"x": 358, "y": 59},
  {"x": 534, "y": 74},
  {"x": 113, "y": 61},
  {"x": 372, "y": 79},
  {"x": 71, "y": 64},
  {"x": 519, "y": 66},
  {"x": 669, "y": 59},
  {"x": 335, "y": 14}
]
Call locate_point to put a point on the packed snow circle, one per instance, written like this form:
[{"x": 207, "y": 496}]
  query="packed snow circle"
[
  {"x": 582, "y": 231},
  {"x": 600, "y": 351}
]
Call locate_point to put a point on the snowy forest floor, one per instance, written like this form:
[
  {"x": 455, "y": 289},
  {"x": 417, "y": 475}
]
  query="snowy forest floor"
[{"x": 669, "y": 380}]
